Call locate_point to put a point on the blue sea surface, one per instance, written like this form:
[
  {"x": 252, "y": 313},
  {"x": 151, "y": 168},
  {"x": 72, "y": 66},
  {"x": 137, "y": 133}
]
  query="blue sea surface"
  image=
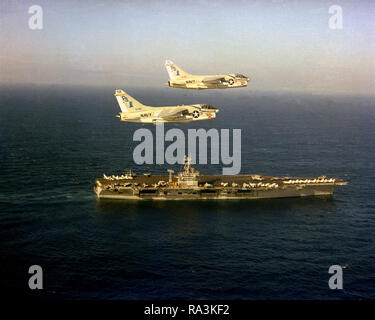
[{"x": 55, "y": 140}]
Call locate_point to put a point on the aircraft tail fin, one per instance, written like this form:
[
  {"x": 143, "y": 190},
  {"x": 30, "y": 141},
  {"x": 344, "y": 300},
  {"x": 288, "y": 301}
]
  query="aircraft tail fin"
[
  {"x": 126, "y": 102},
  {"x": 174, "y": 71}
]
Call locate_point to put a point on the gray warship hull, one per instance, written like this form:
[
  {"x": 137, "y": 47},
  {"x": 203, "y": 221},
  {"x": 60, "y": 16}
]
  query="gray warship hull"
[{"x": 213, "y": 187}]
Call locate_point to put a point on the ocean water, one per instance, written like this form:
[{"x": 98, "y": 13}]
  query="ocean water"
[{"x": 55, "y": 140}]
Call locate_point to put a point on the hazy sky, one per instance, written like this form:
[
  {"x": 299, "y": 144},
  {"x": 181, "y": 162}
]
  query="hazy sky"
[{"x": 280, "y": 45}]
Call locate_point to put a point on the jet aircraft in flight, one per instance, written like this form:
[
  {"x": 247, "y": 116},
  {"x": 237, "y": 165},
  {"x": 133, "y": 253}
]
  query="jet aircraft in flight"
[
  {"x": 178, "y": 78},
  {"x": 134, "y": 111}
]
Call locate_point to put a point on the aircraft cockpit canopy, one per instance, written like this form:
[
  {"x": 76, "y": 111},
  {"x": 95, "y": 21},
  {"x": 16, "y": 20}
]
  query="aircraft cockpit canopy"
[
  {"x": 237, "y": 75},
  {"x": 208, "y": 106}
]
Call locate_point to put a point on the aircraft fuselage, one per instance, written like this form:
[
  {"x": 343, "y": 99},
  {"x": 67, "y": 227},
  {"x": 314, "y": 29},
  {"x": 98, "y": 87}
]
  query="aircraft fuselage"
[
  {"x": 204, "y": 82},
  {"x": 189, "y": 113}
]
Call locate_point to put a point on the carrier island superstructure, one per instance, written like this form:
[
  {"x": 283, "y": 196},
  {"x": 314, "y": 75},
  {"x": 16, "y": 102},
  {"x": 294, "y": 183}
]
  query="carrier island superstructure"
[{"x": 189, "y": 184}]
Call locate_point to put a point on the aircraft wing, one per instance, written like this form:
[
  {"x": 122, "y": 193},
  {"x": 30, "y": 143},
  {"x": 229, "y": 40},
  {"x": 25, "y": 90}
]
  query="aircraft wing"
[
  {"x": 173, "y": 113},
  {"x": 213, "y": 79}
]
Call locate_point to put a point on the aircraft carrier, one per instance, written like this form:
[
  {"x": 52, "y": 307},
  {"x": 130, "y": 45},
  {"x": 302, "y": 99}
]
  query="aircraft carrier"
[{"x": 191, "y": 185}]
